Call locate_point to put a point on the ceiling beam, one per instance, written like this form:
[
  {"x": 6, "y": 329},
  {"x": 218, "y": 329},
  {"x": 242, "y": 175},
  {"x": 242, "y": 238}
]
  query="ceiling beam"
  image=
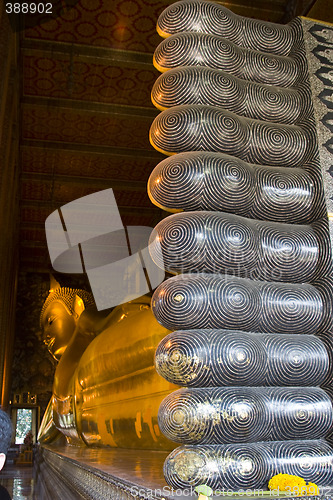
[
  {"x": 294, "y": 8},
  {"x": 144, "y": 211},
  {"x": 92, "y": 149},
  {"x": 91, "y": 182},
  {"x": 257, "y": 10},
  {"x": 33, "y": 267},
  {"x": 32, "y": 244},
  {"x": 52, "y": 205},
  {"x": 95, "y": 107},
  {"x": 30, "y": 226},
  {"x": 120, "y": 57},
  {"x": 322, "y": 10}
]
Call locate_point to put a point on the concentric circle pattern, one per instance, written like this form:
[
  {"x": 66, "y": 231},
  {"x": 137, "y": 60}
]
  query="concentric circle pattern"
[
  {"x": 305, "y": 459},
  {"x": 209, "y": 128},
  {"x": 250, "y": 236},
  {"x": 216, "y": 242},
  {"x": 248, "y": 466},
  {"x": 200, "y": 85},
  {"x": 295, "y": 360},
  {"x": 200, "y": 49},
  {"x": 216, "y": 301},
  {"x": 244, "y": 414},
  {"x": 209, "y": 17},
  {"x": 212, "y": 358},
  {"x": 299, "y": 413},
  {"x": 214, "y": 181}
]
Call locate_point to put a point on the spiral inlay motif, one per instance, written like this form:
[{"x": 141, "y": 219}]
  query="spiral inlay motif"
[
  {"x": 250, "y": 465},
  {"x": 209, "y": 17},
  {"x": 216, "y": 242},
  {"x": 200, "y": 49},
  {"x": 244, "y": 176},
  {"x": 208, "y": 128},
  {"x": 208, "y": 358},
  {"x": 222, "y": 415},
  {"x": 215, "y": 301},
  {"x": 218, "y": 182},
  {"x": 200, "y": 85}
]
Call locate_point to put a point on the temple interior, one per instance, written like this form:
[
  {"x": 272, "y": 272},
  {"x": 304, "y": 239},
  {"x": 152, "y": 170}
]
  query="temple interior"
[{"x": 75, "y": 115}]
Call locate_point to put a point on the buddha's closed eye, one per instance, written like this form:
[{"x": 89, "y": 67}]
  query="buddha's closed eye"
[{"x": 50, "y": 320}]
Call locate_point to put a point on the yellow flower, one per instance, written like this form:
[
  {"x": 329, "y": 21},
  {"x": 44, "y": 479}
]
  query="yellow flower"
[
  {"x": 295, "y": 485},
  {"x": 312, "y": 489}
]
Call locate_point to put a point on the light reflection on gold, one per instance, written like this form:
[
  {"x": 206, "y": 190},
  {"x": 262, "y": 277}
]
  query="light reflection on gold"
[{"x": 106, "y": 391}]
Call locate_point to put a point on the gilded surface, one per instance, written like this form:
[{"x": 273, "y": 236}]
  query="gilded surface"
[{"x": 106, "y": 391}]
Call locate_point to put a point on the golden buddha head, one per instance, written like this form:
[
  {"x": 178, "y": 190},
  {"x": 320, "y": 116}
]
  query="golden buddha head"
[{"x": 59, "y": 316}]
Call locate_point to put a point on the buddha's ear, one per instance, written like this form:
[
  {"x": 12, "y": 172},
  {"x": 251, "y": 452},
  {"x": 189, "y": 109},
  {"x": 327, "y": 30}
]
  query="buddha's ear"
[
  {"x": 54, "y": 283},
  {"x": 78, "y": 306}
]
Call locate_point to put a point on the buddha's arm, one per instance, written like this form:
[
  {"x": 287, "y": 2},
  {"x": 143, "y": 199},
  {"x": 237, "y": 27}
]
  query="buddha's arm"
[
  {"x": 48, "y": 431},
  {"x": 69, "y": 361},
  {"x": 89, "y": 325}
]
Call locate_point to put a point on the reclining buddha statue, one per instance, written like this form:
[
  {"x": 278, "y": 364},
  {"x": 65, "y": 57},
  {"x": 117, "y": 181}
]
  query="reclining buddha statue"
[{"x": 106, "y": 391}]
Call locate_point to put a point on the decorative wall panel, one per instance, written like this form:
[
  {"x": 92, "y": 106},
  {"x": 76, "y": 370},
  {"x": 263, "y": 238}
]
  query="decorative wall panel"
[
  {"x": 76, "y": 77},
  {"x": 68, "y": 125},
  {"x": 126, "y": 26}
]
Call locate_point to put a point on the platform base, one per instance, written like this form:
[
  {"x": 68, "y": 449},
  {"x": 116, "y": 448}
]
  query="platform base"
[
  {"x": 72, "y": 473},
  {"x": 85, "y": 473}
]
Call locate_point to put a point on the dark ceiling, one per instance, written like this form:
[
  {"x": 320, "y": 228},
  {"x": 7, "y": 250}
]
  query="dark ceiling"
[{"x": 86, "y": 78}]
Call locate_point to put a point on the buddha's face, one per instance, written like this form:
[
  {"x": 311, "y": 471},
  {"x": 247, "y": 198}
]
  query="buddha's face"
[{"x": 58, "y": 328}]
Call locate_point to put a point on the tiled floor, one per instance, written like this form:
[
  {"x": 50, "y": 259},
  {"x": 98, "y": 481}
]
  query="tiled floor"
[{"x": 18, "y": 481}]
